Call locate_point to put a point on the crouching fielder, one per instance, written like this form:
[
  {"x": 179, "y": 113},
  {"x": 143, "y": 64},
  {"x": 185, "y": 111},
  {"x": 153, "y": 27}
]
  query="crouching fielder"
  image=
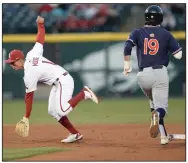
[
  {"x": 153, "y": 44},
  {"x": 39, "y": 69}
]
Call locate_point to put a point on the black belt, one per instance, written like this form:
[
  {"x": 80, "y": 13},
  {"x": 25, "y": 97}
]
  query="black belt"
[
  {"x": 64, "y": 74},
  {"x": 153, "y": 67}
]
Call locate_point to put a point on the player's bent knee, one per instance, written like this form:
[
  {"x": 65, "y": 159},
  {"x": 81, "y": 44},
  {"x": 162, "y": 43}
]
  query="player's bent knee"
[
  {"x": 54, "y": 114},
  {"x": 66, "y": 109},
  {"x": 161, "y": 112}
]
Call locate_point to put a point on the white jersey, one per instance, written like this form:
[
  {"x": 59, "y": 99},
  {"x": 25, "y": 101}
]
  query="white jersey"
[{"x": 39, "y": 69}]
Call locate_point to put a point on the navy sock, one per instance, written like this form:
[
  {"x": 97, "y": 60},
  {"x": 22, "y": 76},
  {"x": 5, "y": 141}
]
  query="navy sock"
[
  {"x": 161, "y": 112},
  {"x": 161, "y": 122}
]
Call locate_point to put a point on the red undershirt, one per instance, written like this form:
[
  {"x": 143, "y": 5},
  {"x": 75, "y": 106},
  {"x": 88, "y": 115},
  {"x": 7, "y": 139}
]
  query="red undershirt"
[{"x": 29, "y": 96}]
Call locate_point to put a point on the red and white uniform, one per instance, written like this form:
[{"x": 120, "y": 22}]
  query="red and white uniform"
[{"x": 39, "y": 69}]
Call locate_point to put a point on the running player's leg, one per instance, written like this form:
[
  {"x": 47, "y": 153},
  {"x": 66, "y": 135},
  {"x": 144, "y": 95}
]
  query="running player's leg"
[
  {"x": 145, "y": 82},
  {"x": 146, "y": 79},
  {"x": 160, "y": 97},
  {"x": 148, "y": 93},
  {"x": 154, "y": 127}
]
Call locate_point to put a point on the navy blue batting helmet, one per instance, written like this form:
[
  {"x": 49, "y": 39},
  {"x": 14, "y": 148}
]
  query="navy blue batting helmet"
[{"x": 153, "y": 15}]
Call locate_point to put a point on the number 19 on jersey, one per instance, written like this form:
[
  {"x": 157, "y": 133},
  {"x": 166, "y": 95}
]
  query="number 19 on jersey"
[{"x": 152, "y": 45}]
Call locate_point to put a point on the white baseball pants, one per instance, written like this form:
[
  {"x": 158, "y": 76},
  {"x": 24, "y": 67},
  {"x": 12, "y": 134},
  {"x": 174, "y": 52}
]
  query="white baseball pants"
[{"x": 60, "y": 94}]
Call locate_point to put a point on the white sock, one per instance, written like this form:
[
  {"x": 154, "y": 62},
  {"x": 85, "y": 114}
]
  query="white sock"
[
  {"x": 87, "y": 94},
  {"x": 161, "y": 128},
  {"x": 162, "y": 131}
]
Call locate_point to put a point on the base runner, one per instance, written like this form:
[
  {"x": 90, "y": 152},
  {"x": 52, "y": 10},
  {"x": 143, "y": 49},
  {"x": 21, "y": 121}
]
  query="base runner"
[
  {"x": 39, "y": 69},
  {"x": 153, "y": 44}
]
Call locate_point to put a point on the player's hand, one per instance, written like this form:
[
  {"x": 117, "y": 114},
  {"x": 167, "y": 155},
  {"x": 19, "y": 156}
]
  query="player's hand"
[
  {"x": 25, "y": 120},
  {"x": 127, "y": 66},
  {"x": 40, "y": 19},
  {"x": 127, "y": 71}
]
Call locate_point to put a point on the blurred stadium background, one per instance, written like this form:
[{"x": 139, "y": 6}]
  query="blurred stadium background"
[{"x": 96, "y": 59}]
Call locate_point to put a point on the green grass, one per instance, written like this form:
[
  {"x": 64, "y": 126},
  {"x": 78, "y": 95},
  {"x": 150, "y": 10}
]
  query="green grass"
[
  {"x": 127, "y": 110},
  {"x": 19, "y": 153}
]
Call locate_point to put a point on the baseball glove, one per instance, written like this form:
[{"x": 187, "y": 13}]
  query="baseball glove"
[{"x": 22, "y": 127}]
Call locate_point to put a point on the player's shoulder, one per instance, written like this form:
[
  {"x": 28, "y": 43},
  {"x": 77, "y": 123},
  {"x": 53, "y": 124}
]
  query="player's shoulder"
[
  {"x": 165, "y": 30},
  {"x": 135, "y": 30},
  {"x": 167, "y": 34},
  {"x": 133, "y": 33},
  {"x": 139, "y": 29},
  {"x": 37, "y": 50},
  {"x": 29, "y": 54}
]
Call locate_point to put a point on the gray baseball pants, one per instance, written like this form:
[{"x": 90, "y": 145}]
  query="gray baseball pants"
[{"x": 155, "y": 85}]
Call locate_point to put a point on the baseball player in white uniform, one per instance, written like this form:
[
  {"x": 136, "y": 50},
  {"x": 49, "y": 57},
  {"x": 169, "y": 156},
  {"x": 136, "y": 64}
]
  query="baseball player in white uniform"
[{"x": 39, "y": 69}]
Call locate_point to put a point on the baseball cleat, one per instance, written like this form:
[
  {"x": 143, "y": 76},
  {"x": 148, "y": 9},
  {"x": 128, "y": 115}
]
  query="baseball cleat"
[
  {"x": 154, "y": 128},
  {"x": 164, "y": 140},
  {"x": 72, "y": 138},
  {"x": 93, "y": 96}
]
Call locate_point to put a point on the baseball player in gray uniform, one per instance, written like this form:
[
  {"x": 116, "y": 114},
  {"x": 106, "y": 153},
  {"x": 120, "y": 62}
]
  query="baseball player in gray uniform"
[{"x": 153, "y": 44}]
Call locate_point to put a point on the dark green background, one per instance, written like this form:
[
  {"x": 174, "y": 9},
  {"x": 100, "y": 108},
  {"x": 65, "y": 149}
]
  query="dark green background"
[{"x": 62, "y": 53}]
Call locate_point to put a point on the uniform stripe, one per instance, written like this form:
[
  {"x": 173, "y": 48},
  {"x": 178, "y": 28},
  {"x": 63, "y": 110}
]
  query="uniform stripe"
[
  {"x": 131, "y": 41},
  {"x": 176, "y": 51},
  {"x": 60, "y": 99},
  {"x": 48, "y": 62}
]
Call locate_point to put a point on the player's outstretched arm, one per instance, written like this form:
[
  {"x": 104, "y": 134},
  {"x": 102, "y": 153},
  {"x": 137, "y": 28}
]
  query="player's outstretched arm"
[
  {"x": 41, "y": 30},
  {"x": 22, "y": 127},
  {"x": 38, "y": 47},
  {"x": 28, "y": 102}
]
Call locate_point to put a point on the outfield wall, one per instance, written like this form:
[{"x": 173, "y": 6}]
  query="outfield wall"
[{"x": 93, "y": 59}]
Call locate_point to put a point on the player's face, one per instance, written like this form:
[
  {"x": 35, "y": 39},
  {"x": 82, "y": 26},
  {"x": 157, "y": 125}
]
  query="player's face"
[{"x": 17, "y": 65}]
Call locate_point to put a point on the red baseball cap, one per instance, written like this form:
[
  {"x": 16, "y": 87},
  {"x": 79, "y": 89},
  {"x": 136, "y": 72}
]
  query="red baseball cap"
[{"x": 15, "y": 55}]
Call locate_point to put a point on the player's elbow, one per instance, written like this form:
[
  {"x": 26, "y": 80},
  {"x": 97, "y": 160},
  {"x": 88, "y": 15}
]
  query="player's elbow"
[
  {"x": 178, "y": 55},
  {"x": 127, "y": 49}
]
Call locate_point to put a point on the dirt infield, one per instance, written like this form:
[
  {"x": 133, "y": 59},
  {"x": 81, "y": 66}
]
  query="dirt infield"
[{"x": 101, "y": 143}]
